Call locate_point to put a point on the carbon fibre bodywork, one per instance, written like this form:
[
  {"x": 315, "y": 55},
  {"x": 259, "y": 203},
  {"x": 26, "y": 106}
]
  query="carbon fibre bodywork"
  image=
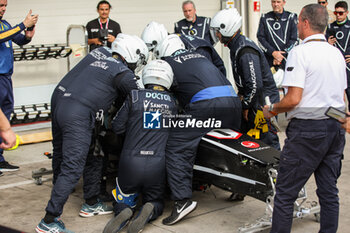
[{"x": 235, "y": 162}]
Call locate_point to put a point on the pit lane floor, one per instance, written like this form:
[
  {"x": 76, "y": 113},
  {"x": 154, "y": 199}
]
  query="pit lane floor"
[{"x": 22, "y": 202}]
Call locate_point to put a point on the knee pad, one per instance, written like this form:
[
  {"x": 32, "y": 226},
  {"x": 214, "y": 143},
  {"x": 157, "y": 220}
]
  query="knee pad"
[{"x": 120, "y": 197}]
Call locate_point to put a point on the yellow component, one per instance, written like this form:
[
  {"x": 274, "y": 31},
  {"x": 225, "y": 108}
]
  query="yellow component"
[
  {"x": 260, "y": 121},
  {"x": 117, "y": 197},
  {"x": 35, "y": 137},
  {"x": 114, "y": 193},
  {"x": 244, "y": 162},
  {"x": 273, "y": 70},
  {"x": 265, "y": 128},
  {"x": 17, "y": 143},
  {"x": 260, "y": 125},
  {"x": 254, "y": 133},
  {"x": 10, "y": 32}
]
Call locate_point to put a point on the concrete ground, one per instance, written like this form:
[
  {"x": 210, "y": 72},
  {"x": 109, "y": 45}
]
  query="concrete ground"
[{"x": 22, "y": 202}]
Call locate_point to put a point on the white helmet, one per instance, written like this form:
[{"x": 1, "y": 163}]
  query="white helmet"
[
  {"x": 169, "y": 45},
  {"x": 227, "y": 22},
  {"x": 153, "y": 34},
  {"x": 158, "y": 72},
  {"x": 132, "y": 49}
]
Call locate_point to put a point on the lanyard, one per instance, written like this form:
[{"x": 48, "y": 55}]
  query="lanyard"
[
  {"x": 319, "y": 40},
  {"x": 101, "y": 23}
]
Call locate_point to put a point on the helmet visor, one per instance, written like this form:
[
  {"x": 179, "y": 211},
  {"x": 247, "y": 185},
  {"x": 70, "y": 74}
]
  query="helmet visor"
[
  {"x": 151, "y": 46},
  {"x": 213, "y": 34},
  {"x": 140, "y": 63}
]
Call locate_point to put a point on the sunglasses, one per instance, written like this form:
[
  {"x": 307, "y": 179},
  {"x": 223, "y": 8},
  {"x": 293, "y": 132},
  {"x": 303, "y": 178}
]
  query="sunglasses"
[
  {"x": 322, "y": 3},
  {"x": 339, "y": 12}
]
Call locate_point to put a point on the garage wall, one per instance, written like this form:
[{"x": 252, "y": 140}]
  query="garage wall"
[
  {"x": 55, "y": 16},
  {"x": 133, "y": 15}
]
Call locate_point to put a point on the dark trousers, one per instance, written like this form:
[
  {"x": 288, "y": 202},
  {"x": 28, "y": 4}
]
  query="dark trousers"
[
  {"x": 312, "y": 147},
  {"x": 183, "y": 142},
  {"x": 143, "y": 175},
  {"x": 72, "y": 127},
  {"x": 6, "y": 101},
  {"x": 271, "y": 138}
]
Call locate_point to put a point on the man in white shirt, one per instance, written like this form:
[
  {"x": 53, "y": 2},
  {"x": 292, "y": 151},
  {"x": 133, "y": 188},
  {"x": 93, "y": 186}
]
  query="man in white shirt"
[{"x": 315, "y": 78}]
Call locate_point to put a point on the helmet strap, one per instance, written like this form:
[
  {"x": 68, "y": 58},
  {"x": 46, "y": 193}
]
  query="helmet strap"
[
  {"x": 132, "y": 66},
  {"x": 227, "y": 40}
]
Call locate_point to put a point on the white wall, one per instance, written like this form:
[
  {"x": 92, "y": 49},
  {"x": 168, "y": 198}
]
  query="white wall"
[
  {"x": 133, "y": 15},
  {"x": 55, "y": 16}
]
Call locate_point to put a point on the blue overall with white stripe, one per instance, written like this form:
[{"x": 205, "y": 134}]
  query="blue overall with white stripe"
[
  {"x": 277, "y": 32},
  {"x": 204, "y": 94},
  {"x": 199, "y": 28},
  {"x": 8, "y": 35},
  {"x": 342, "y": 34}
]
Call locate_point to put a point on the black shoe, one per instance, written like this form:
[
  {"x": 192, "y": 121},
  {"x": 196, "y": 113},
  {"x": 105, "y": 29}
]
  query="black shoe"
[
  {"x": 236, "y": 197},
  {"x": 138, "y": 223},
  {"x": 180, "y": 210},
  {"x": 6, "y": 167},
  {"x": 1, "y": 174},
  {"x": 117, "y": 223}
]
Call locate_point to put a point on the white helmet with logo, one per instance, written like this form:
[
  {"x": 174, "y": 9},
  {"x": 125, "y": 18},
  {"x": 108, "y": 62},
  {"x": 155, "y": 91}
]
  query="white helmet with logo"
[
  {"x": 169, "y": 45},
  {"x": 227, "y": 22},
  {"x": 153, "y": 34},
  {"x": 132, "y": 49},
  {"x": 158, "y": 72}
]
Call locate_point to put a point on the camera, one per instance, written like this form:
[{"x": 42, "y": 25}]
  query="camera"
[{"x": 103, "y": 35}]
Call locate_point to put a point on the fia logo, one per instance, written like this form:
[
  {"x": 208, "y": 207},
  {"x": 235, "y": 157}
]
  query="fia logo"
[{"x": 151, "y": 120}]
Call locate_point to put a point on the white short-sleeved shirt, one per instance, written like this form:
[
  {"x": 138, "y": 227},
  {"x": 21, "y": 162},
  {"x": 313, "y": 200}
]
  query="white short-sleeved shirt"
[{"x": 320, "y": 70}]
